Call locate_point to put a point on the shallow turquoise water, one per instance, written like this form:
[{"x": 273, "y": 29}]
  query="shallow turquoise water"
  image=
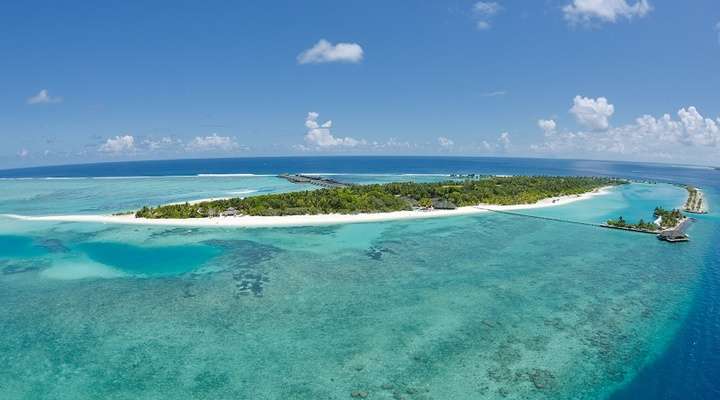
[
  {"x": 13, "y": 246},
  {"x": 483, "y": 306},
  {"x": 156, "y": 260}
]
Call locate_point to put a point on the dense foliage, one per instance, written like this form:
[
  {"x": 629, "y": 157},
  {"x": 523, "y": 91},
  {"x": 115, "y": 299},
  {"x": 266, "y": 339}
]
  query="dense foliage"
[
  {"x": 640, "y": 225},
  {"x": 670, "y": 219},
  {"x": 388, "y": 197}
]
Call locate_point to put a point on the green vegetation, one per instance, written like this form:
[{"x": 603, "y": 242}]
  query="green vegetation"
[
  {"x": 640, "y": 225},
  {"x": 694, "y": 201},
  {"x": 670, "y": 219},
  {"x": 388, "y": 197}
]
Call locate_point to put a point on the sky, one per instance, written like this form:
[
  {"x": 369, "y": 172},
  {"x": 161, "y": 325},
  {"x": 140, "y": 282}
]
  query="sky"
[{"x": 634, "y": 80}]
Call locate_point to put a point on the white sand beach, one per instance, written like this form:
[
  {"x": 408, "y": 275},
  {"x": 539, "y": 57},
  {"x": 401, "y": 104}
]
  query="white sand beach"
[{"x": 248, "y": 221}]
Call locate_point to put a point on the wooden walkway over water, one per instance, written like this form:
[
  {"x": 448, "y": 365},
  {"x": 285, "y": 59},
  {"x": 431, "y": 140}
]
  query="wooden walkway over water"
[
  {"x": 677, "y": 232},
  {"x": 517, "y": 214},
  {"x": 314, "y": 180}
]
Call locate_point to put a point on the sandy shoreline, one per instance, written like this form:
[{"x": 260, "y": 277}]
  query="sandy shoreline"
[{"x": 247, "y": 221}]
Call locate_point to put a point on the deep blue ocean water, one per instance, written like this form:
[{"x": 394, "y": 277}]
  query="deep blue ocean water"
[
  {"x": 687, "y": 368},
  {"x": 357, "y": 165}
]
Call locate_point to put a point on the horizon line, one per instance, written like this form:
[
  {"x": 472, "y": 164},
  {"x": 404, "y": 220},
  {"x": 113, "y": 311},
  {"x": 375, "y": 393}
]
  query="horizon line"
[{"x": 459, "y": 156}]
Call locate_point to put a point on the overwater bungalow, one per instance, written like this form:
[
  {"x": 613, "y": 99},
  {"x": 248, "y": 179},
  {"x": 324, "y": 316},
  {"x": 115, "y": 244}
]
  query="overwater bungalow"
[{"x": 677, "y": 234}]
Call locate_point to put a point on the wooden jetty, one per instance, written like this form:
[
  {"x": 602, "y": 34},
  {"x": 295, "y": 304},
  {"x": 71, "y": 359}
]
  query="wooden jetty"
[
  {"x": 674, "y": 235},
  {"x": 629, "y": 229},
  {"x": 314, "y": 180}
]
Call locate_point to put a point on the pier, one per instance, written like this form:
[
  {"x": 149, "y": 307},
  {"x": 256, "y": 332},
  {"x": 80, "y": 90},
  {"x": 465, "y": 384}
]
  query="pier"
[
  {"x": 629, "y": 229},
  {"x": 517, "y": 214},
  {"x": 327, "y": 183},
  {"x": 673, "y": 235}
]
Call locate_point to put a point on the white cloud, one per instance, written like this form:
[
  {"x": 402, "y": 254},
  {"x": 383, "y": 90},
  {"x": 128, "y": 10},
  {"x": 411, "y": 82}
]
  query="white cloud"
[
  {"x": 22, "y": 153},
  {"x": 118, "y": 145},
  {"x": 587, "y": 11},
  {"x": 548, "y": 126},
  {"x": 483, "y": 12},
  {"x": 445, "y": 142},
  {"x": 501, "y": 144},
  {"x": 164, "y": 143},
  {"x": 482, "y": 25},
  {"x": 494, "y": 94},
  {"x": 717, "y": 28},
  {"x": 43, "y": 97},
  {"x": 213, "y": 142},
  {"x": 326, "y": 52},
  {"x": 394, "y": 143},
  {"x": 592, "y": 113},
  {"x": 487, "y": 8},
  {"x": 504, "y": 141},
  {"x": 691, "y": 138},
  {"x": 320, "y": 136}
]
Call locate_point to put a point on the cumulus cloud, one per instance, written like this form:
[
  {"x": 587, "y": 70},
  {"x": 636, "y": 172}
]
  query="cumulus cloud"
[
  {"x": 592, "y": 113},
  {"x": 118, "y": 145},
  {"x": 548, "y": 126},
  {"x": 326, "y": 52},
  {"x": 588, "y": 11},
  {"x": 504, "y": 141},
  {"x": 502, "y": 144},
  {"x": 483, "y": 12},
  {"x": 213, "y": 142},
  {"x": 320, "y": 136},
  {"x": 163, "y": 143},
  {"x": 445, "y": 142},
  {"x": 43, "y": 97},
  {"x": 688, "y": 137}
]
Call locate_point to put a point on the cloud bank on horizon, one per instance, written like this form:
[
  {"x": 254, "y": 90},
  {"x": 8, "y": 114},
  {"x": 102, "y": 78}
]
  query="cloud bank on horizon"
[{"x": 648, "y": 137}]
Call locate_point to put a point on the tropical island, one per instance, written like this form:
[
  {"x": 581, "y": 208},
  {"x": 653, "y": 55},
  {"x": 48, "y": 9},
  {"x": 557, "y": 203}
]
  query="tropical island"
[
  {"x": 664, "y": 219},
  {"x": 695, "y": 203},
  {"x": 389, "y": 197}
]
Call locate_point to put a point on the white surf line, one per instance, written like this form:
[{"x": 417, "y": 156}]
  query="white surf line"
[{"x": 248, "y": 221}]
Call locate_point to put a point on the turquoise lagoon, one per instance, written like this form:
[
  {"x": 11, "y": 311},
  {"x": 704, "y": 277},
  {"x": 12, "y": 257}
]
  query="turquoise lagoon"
[{"x": 483, "y": 306}]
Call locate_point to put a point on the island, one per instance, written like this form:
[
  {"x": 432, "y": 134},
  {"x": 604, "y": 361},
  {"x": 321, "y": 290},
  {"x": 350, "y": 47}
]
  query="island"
[
  {"x": 695, "y": 203},
  {"x": 389, "y": 197},
  {"x": 664, "y": 219}
]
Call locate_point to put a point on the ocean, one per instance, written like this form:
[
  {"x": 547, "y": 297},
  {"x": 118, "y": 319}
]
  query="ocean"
[{"x": 478, "y": 306}]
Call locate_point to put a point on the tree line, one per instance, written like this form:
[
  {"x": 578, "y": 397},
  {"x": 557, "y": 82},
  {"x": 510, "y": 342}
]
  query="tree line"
[{"x": 388, "y": 197}]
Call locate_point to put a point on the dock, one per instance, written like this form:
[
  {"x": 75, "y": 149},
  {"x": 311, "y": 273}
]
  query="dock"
[
  {"x": 629, "y": 229},
  {"x": 321, "y": 181}
]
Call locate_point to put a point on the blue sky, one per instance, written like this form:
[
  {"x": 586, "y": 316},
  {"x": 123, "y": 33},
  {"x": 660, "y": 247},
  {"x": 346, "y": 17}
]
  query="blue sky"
[{"x": 84, "y": 82}]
